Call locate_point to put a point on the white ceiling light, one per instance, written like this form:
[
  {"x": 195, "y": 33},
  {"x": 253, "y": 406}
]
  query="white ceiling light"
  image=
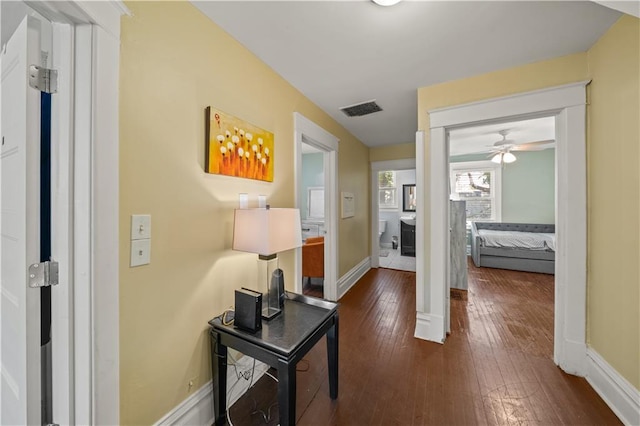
[
  {"x": 386, "y": 2},
  {"x": 504, "y": 157},
  {"x": 508, "y": 157}
]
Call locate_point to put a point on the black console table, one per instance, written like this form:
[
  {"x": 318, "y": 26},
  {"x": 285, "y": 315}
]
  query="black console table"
[{"x": 281, "y": 343}]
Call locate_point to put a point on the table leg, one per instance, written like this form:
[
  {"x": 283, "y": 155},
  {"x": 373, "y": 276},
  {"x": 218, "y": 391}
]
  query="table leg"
[
  {"x": 219, "y": 378},
  {"x": 287, "y": 393},
  {"x": 332, "y": 356}
]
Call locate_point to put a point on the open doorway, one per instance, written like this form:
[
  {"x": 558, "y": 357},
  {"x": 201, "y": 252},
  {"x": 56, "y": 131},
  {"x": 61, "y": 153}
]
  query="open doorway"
[
  {"x": 397, "y": 219},
  {"x": 567, "y": 104},
  {"x": 394, "y": 200},
  {"x": 502, "y": 228},
  {"x": 312, "y": 214},
  {"x": 316, "y": 197}
]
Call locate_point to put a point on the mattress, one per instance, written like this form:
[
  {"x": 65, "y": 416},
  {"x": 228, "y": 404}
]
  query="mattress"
[{"x": 517, "y": 239}]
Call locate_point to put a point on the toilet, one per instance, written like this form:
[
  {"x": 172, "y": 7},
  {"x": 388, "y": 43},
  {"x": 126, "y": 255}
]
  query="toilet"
[{"x": 382, "y": 226}]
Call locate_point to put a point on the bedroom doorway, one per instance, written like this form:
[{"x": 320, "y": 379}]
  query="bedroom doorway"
[
  {"x": 567, "y": 104},
  {"x": 502, "y": 178}
]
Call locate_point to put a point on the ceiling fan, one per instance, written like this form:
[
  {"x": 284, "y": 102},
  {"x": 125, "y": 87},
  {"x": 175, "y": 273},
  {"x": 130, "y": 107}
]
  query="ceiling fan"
[{"x": 501, "y": 150}]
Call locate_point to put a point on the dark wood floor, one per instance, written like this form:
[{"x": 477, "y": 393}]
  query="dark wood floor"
[
  {"x": 495, "y": 368},
  {"x": 313, "y": 287}
]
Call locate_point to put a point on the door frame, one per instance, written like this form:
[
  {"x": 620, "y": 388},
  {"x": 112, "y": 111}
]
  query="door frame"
[
  {"x": 379, "y": 166},
  {"x": 306, "y": 131},
  {"x": 568, "y": 104},
  {"x": 85, "y": 312}
]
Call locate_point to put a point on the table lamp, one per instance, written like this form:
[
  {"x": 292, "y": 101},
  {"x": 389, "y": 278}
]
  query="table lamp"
[{"x": 267, "y": 232}]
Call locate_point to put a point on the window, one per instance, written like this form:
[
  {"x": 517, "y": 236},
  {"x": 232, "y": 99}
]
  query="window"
[
  {"x": 387, "y": 190},
  {"x": 478, "y": 183}
]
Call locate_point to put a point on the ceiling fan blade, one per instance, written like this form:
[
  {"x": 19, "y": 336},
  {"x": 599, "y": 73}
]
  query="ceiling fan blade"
[{"x": 534, "y": 146}]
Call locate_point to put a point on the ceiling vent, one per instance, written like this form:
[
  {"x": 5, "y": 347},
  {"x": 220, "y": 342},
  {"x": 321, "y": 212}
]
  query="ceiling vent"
[{"x": 359, "y": 110}]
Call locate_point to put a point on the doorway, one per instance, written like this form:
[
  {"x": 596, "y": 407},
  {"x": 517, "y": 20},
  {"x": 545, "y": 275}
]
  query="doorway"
[
  {"x": 502, "y": 214},
  {"x": 396, "y": 196},
  {"x": 387, "y": 206},
  {"x": 84, "y": 157},
  {"x": 567, "y": 104},
  {"x": 316, "y": 194}
]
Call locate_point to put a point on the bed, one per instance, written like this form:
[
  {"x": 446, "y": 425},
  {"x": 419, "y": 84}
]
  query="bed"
[{"x": 518, "y": 246}]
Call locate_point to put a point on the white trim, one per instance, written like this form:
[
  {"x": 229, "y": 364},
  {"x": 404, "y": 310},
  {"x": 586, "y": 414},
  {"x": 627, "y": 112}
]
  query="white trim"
[
  {"x": 541, "y": 101},
  {"x": 350, "y": 278},
  {"x": 82, "y": 318},
  {"x": 438, "y": 234},
  {"x": 62, "y": 231},
  {"x": 197, "y": 409},
  {"x": 421, "y": 204},
  {"x": 571, "y": 240},
  {"x": 105, "y": 222},
  {"x": 567, "y": 103},
  {"x": 310, "y": 133},
  {"x": 379, "y": 166},
  {"x": 620, "y": 395},
  {"x": 93, "y": 391},
  {"x": 427, "y": 327}
]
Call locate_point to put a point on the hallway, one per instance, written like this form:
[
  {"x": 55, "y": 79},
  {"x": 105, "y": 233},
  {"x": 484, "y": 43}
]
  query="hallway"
[{"x": 495, "y": 368}]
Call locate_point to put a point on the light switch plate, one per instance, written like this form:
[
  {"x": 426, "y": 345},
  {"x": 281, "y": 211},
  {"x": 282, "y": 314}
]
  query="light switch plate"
[
  {"x": 140, "y": 226},
  {"x": 140, "y": 252}
]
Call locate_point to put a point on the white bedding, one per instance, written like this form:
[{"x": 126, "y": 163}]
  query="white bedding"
[{"x": 515, "y": 239}]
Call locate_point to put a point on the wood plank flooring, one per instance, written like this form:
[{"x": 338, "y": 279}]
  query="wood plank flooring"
[{"x": 495, "y": 368}]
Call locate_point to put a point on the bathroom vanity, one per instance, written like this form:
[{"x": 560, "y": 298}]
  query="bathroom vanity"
[{"x": 408, "y": 236}]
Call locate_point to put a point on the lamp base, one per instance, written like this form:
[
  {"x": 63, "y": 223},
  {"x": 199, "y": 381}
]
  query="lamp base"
[{"x": 270, "y": 313}]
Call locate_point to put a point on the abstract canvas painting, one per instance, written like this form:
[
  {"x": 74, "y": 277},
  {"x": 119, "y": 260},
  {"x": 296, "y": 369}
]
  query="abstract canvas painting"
[{"x": 237, "y": 148}]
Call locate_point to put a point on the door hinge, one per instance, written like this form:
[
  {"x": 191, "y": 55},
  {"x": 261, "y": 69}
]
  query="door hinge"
[
  {"x": 43, "y": 274},
  {"x": 43, "y": 79}
]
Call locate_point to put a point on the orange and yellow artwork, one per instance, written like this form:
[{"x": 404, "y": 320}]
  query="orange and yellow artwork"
[{"x": 237, "y": 148}]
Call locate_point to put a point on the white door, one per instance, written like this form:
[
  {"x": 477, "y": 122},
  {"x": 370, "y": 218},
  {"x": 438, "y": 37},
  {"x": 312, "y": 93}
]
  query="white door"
[{"x": 19, "y": 229}]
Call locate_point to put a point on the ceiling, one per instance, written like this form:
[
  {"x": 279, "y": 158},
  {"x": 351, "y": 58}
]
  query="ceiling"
[
  {"x": 340, "y": 53},
  {"x": 483, "y": 139}
]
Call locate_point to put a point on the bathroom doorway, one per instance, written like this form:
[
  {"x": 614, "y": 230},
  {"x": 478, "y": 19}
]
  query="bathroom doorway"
[
  {"x": 316, "y": 188},
  {"x": 312, "y": 216},
  {"x": 394, "y": 215}
]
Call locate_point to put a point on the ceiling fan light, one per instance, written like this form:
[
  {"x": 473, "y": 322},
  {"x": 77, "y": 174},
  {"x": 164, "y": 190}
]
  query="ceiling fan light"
[
  {"x": 508, "y": 157},
  {"x": 497, "y": 158},
  {"x": 386, "y": 2}
]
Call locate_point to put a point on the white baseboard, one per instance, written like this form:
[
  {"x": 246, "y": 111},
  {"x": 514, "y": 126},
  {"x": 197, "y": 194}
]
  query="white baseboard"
[
  {"x": 350, "y": 278},
  {"x": 574, "y": 358},
  {"x": 429, "y": 327},
  {"x": 620, "y": 395},
  {"x": 197, "y": 409}
]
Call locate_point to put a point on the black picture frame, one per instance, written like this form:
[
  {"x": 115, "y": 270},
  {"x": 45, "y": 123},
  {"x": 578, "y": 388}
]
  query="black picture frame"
[{"x": 409, "y": 197}]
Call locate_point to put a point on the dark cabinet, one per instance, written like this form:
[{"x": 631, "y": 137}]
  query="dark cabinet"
[{"x": 407, "y": 239}]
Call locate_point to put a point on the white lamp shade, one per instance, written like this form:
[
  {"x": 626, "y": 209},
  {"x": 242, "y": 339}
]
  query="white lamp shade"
[
  {"x": 497, "y": 158},
  {"x": 266, "y": 231}
]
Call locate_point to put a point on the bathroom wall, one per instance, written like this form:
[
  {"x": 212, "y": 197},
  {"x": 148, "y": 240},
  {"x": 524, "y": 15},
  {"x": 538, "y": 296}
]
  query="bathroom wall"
[
  {"x": 392, "y": 216},
  {"x": 312, "y": 176}
]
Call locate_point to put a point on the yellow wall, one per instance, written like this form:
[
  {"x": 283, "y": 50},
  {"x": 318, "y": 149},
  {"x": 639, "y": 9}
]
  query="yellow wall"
[
  {"x": 392, "y": 152},
  {"x": 175, "y": 62},
  {"x": 613, "y": 324},
  {"x": 614, "y": 198}
]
